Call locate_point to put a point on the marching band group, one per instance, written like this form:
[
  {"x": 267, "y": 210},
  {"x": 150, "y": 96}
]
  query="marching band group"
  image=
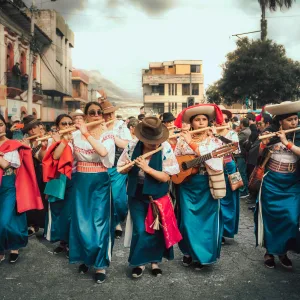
[{"x": 174, "y": 181}]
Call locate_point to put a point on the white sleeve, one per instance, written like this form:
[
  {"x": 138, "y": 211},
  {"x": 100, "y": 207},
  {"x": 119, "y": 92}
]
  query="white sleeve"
[
  {"x": 13, "y": 158},
  {"x": 127, "y": 153},
  {"x": 109, "y": 143},
  {"x": 169, "y": 164}
]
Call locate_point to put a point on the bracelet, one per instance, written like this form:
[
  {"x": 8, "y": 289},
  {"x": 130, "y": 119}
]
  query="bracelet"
[
  {"x": 193, "y": 146},
  {"x": 86, "y": 135},
  {"x": 289, "y": 145},
  {"x": 262, "y": 146}
]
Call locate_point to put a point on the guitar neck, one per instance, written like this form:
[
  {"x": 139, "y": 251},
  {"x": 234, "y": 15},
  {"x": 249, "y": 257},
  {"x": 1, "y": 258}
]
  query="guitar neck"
[
  {"x": 36, "y": 150},
  {"x": 197, "y": 161}
]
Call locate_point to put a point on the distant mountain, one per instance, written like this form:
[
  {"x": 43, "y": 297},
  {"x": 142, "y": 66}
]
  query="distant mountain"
[{"x": 114, "y": 93}]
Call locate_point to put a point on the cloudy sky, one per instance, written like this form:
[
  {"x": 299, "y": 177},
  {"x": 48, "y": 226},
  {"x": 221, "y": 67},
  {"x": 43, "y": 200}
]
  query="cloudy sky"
[{"x": 120, "y": 37}]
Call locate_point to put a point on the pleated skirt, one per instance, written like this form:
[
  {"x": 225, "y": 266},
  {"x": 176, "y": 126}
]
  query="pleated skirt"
[
  {"x": 13, "y": 226},
  {"x": 92, "y": 226},
  {"x": 200, "y": 222}
]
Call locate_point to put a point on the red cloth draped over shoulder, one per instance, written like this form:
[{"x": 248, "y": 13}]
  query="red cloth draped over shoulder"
[
  {"x": 52, "y": 168},
  {"x": 27, "y": 191},
  {"x": 167, "y": 219}
]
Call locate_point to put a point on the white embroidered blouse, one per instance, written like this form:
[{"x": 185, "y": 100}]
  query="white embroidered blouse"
[
  {"x": 205, "y": 147},
  {"x": 169, "y": 162},
  {"x": 121, "y": 131},
  {"x": 13, "y": 158},
  {"x": 83, "y": 150},
  {"x": 282, "y": 154}
]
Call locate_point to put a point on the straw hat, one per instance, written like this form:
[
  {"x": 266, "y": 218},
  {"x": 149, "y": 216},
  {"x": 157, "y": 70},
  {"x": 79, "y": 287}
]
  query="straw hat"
[
  {"x": 151, "y": 131},
  {"x": 107, "y": 107},
  {"x": 286, "y": 107},
  {"x": 198, "y": 110},
  {"x": 77, "y": 112}
]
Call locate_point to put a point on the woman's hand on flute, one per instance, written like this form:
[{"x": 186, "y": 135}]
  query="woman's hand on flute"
[
  {"x": 186, "y": 136},
  {"x": 82, "y": 127},
  {"x": 282, "y": 136},
  {"x": 55, "y": 136}
]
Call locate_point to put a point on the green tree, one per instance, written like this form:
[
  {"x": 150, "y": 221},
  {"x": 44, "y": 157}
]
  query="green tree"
[
  {"x": 272, "y": 5},
  {"x": 260, "y": 71},
  {"x": 213, "y": 94}
]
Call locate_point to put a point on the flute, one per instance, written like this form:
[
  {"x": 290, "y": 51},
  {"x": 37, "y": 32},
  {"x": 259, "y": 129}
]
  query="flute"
[
  {"x": 2, "y": 134},
  {"x": 120, "y": 169},
  {"x": 73, "y": 128},
  {"x": 33, "y": 137},
  {"x": 266, "y": 136},
  {"x": 200, "y": 130}
]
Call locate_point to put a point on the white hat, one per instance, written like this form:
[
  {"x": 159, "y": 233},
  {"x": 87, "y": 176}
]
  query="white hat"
[
  {"x": 286, "y": 107},
  {"x": 77, "y": 112},
  {"x": 15, "y": 118}
]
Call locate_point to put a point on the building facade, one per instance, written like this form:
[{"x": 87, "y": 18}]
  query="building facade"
[
  {"x": 168, "y": 85},
  {"x": 14, "y": 60}
]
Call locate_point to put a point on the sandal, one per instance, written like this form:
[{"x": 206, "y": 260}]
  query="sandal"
[
  {"x": 269, "y": 261},
  {"x": 137, "y": 272},
  {"x": 33, "y": 230},
  {"x": 285, "y": 261}
]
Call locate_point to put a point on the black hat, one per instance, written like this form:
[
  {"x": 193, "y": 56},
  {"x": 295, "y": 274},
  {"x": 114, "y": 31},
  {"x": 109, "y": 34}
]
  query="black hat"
[
  {"x": 167, "y": 117},
  {"x": 29, "y": 122}
]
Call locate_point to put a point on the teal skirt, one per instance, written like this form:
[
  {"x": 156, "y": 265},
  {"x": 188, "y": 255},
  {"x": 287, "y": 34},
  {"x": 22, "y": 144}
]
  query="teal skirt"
[
  {"x": 230, "y": 205},
  {"x": 92, "y": 226},
  {"x": 58, "y": 217},
  {"x": 13, "y": 226},
  {"x": 119, "y": 194},
  {"x": 280, "y": 200},
  {"x": 145, "y": 248},
  {"x": 200, "y": 222}
]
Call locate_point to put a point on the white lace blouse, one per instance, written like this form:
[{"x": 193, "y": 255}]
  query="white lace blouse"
[
  {"x": 83, "y": 150},
  {"x": 205, "y": 147},
  {"x": 13, "y": 158}
]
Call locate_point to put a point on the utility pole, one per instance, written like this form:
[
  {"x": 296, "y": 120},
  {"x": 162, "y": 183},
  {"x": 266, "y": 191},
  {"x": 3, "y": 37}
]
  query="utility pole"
[{"x": 31, "y": 58}]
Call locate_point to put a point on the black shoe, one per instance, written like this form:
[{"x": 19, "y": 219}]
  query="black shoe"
[
  {"x": 285, "y": 261},
  {"x": 198, "y": 266},
  {"x": 83, "y": 269},
  {"x": 13, "y": 257},
  {"x": 187, "y": 261},
  {"x": 156, "y": 272},
  {"x": 137, "y": 272},
  {"x": 100, "y": 277},
  {"x": 270, "y": 262},
  {"x": 59, "y": 249},
  {"x": 223, "y": 240},
  {"x": 118, "y": 234}
]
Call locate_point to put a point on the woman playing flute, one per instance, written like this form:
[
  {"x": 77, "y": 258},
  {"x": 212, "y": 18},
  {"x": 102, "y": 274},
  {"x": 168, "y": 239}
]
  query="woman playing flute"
[{"x": 278, "y": 206}]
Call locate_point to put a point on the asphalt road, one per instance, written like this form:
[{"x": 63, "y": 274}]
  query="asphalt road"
[{"x": 240, "y": 274}]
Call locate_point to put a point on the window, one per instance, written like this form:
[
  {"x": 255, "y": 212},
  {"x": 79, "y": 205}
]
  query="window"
[
  {"x": 158, "y": 108},
  {"x": 195, "y": 89},
  {"x": 158, "y": 89},
  {"x": 185, "y": 89},
  {"x": 195, "y": 68},
  {"x": 173, "y": 89}
]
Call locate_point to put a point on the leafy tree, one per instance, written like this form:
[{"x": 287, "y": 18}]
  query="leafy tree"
[
  {"x": 213, "y": 93},
  {"x": 258, "y": 70},
  {"x": 272, "y": 5}
]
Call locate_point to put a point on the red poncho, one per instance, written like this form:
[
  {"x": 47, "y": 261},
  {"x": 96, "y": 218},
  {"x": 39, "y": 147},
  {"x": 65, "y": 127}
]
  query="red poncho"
[
  {"x": 52, "y": 168},
  {"x": 28, "y": 196}
]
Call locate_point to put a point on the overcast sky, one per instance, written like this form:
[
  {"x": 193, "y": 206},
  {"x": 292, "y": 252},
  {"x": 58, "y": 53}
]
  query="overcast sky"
[{"x": 120, "y": 37}]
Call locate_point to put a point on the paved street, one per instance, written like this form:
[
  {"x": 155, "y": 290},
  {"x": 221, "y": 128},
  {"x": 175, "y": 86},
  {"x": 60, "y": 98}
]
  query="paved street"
[{"x": 240, "y": 274}]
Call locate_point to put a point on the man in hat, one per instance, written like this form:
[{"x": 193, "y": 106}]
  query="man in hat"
[
  {"x": 168, "y": 119},
  {"x": 77, "y": 116},
  {"x": 122, "y": 137},
  {"x": 36, "y": 219}
]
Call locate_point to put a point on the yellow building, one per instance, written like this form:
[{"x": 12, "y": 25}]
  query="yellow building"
[{"x": 167, "y": 86}]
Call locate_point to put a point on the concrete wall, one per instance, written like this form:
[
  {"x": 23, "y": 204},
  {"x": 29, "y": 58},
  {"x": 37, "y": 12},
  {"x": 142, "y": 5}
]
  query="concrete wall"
[{"x": 183, "y": 69}]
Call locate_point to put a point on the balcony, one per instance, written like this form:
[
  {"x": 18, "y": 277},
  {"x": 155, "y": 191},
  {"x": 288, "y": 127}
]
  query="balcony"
[
  {"x": 168, "y": 99},
  {"x": 162, "y": 79},
  {"x": 17, "y": 86}
]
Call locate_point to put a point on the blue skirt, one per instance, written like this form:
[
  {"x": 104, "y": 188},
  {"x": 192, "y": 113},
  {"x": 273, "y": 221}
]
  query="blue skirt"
[
  {"x": 119, "y": 194},
  {"x": 13, "y": 226},
  {"x": 201, "y": 223},
  {"x": 58, "y": 218},
  {"x": 92, "y": 226},
  {"x": 145, "y": 248},
  {"x": 230, "y": 205},
  {"x": 280, "y": 200}
]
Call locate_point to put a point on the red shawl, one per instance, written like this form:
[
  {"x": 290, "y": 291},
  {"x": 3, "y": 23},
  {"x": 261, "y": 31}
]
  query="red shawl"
[
  {"x": 27, "y": 191},
  {"x": 52, "y": 168},
  {"x": 167, "y": 218}
]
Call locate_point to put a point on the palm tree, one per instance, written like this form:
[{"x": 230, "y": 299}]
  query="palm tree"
[{"x": 272, "y": 5}]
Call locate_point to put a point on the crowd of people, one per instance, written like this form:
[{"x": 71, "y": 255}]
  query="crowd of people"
[{"x": 170, "y": 180}]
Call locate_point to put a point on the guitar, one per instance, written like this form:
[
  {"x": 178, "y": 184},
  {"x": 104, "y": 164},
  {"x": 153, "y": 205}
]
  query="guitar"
[{"x": 189, "y": 164}]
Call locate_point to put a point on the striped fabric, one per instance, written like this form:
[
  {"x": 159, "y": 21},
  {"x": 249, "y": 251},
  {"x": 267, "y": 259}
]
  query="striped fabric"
[{"x": 90, "y": 167}]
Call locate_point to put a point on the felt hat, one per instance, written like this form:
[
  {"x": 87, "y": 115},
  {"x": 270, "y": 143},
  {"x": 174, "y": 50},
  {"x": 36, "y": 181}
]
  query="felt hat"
[
  {"x": 29, "y": 123},
  {"x": 107, "y": 107},
  {"x": 167, "y": 117},
  {"x": 151, "y": 131}
]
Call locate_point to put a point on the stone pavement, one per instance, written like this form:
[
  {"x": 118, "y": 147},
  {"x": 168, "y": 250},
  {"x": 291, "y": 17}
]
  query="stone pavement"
[{"x": 240, "y": 274}]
